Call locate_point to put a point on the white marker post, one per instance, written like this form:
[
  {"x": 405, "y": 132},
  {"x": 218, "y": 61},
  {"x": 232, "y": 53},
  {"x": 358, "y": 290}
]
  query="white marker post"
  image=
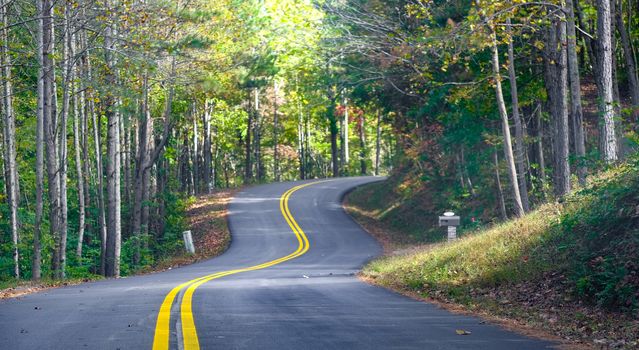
[
  {"x": 188, "y": 242},
  {"x": 451, "y": 221}
]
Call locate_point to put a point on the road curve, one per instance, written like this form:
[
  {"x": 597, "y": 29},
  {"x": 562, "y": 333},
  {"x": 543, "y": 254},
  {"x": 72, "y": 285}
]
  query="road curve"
[{"x": 312, "y": 301}]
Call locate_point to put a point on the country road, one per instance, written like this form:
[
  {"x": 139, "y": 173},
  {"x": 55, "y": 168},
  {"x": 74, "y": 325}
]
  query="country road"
[{"x": 287, "y": 282}]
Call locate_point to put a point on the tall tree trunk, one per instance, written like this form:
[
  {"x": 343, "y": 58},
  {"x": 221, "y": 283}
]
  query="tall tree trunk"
[
  {"x": 276, "y": 166},
  {"x": 13, "y": 193},
  {"x": 631, "y": 65},
  {"x": 50, "y": 134},
  {"x": 77, "y": 116},
  {"x": 36, "y": 263},
  {"x": 345, "y": 137},
  {"x": 378, "y": 142},
  {"x": 363, "y": 152},
  {"x": 196, "y": 158},
  {"x": 520, "y": 146},
  {"x": 113, "y": 164},
  {"x": 605, "y": 62},
  {"x": 208, "y": 106},
  {"x": 575, "y": 94},
  {"x": 557, "y": 86},
  {"x": 508, "y": 149},
  {"x": 541, "y": 161},
  {"x": 500, "y": 192},
  {"x": 248, "y": 164}
]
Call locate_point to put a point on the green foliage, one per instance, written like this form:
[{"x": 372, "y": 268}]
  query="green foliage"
[{"x": 592, "y": 238}]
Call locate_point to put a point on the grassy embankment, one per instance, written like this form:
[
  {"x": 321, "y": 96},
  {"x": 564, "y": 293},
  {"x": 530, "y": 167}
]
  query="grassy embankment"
[
  {"x": 205, "y": 216},
  {"x": 568, "y": 269}
]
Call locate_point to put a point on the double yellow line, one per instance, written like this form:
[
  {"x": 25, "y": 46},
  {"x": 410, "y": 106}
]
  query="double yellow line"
[{"x": 189, "y": 332}]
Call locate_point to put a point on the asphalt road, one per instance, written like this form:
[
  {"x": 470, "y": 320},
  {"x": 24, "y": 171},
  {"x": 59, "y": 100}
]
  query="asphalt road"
[{"x": 310, "y": 301}]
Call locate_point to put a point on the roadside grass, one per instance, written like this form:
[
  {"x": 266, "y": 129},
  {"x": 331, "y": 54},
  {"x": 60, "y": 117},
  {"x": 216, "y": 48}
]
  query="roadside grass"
[{"x": 570, "y": 268}]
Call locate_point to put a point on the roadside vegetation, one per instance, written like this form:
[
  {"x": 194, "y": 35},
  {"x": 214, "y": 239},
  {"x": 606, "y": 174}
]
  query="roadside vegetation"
[
  {"x": 568, "y": 268},
  {"x": 205, "y": 216}
]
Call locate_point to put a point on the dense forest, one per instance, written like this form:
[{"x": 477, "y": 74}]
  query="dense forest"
[{"x": 114, "y": 112}]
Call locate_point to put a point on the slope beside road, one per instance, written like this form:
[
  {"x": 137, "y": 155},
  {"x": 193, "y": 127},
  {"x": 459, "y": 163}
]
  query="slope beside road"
[{"x": 312, "y": 300}]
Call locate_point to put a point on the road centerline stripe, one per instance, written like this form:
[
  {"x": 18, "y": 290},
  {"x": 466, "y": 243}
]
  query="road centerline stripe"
[{"x": 189, "y": 331}]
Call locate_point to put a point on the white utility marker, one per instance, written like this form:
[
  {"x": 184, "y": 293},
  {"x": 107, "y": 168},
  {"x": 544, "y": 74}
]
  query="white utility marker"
[
  {"x": 188, "y": 242},
  {"x": 451, "y": 221}
]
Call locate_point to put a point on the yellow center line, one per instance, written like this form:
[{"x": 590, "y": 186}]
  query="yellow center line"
[{"x": 189, "y": 332}]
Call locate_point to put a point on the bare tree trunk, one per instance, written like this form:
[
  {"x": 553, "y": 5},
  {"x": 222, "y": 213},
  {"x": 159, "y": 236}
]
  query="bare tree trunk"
[
  {"x": 345, "y": 136},
  {"x": 605, "y": 62},
  {"x": 100, "y": 176},
  {"x": 77, "y": 116},
  {"x": 248, "y": 165},
  {"x": 276, "y": 165},
  {"x": 508, "y": 149},
  {"x": 36, "y": 263},
  {"x": 500, "y": 192},
  {"x": 631, "y": 65},
  {"x": 575, "y": 94},
  {"x": 378, "y": 142},
  {"x": 208, "y": 106},
  {"x": 13, "y": 193},
  {"x": 540, "y": 148},
  {"x": 520, "y": 146},
  {"x": 196, "y": 158},
  {"x": 113, "y": 165},
  {"x": 50, "y": 135},
  {"x": 557, "y": 86},
  {"x": 363, "y": 152}
]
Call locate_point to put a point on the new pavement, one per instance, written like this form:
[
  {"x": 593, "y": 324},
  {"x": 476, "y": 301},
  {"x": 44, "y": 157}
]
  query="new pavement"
[{"x": 313, "y": 301}]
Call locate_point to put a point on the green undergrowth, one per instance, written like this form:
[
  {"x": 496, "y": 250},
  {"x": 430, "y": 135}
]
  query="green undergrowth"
[{"x": 590, "y": 239}]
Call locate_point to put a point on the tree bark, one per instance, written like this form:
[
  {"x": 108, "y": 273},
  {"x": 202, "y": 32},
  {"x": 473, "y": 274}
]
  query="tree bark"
[
  {"x": 248, "y": 164},
  {"x": 112, "y": 267},
  {"x": 208, "y": 106},
  {"x": 363, "y": 152},
  {"x": 13, "y": 193},
  {"x": 631, "y": 65},
  {"x": 276, "y": 166},
  {"x": 575, "y": 94},
  {"x": 500, "y": 192},
  {"x": 520, "y": 146},
  {"x": 508, "y": 149},
  {"x": 557, "y": 86},
  {"x": 50, "y": 134},
  {"x": 605, "y": 61},
  {"x": 378, "y": 142},
  {"x": 36, "y": 262}
]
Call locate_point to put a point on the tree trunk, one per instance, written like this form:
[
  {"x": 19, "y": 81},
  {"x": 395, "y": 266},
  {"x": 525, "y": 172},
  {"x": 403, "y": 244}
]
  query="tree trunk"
[
  {"x": 556, "y": 86},
  {"x": 345, "y": 137},
  {"x": 208, "y": 106},
  {"x": 276, "y": 166},
  {"x": 500, "y": 192},
  {"x": 508, "y": 149},
  {"x": 112, "y": 267},
  {"x": 378, "y": 142},
  {"x": 520, "y": 146},
  {"x": 50, "y": 126},
  {"x": 631, "y": 65},
  {"x": 13, "y": 193},
  {"x": 575, "y": 94},
  {"x": 362, "y": 145},
  {"x": 248, "y": 164},
  {"x": 36, "y": 262},
  {"x": 196, "y": 167},
  {"x": 604, "y": 54},
  {"x": 77, "y": 113}
]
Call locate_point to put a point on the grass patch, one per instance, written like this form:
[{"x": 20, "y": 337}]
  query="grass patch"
[{"x": 571, "y": 268}]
